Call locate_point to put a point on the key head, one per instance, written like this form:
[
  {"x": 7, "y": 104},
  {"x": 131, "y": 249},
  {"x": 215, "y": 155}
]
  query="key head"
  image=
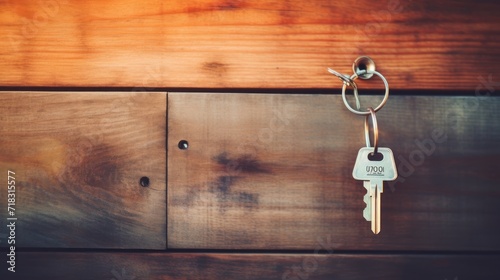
[{"x": 380, "y": 166}]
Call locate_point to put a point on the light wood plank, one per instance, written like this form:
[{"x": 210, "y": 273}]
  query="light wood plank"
[
  {"x": 78, "y": 159},
  {"x": 177, "y": 266},
  {"x": 274, "y": 172},
  {"x": 452, "y": 45}
]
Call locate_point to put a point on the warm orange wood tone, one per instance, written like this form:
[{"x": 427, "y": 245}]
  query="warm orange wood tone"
[
  {"x": 274, "y": 172},
  {"x": 247, "y": 44},
  {"x": 78, "y": 159},
  {"x": 181, "y": 266}
]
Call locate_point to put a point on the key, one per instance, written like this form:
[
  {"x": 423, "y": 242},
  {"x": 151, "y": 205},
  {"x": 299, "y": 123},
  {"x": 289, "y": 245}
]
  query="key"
[{"x": 374, "y": 170}]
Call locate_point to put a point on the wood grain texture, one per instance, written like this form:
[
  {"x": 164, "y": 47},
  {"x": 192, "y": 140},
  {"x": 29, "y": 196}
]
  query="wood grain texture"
[
  {"x": 247, "y": 44},
  {"x": 177, "y": 266},
  {"x": 78, "y": 159},
  {"x": 274, "y": 172}
]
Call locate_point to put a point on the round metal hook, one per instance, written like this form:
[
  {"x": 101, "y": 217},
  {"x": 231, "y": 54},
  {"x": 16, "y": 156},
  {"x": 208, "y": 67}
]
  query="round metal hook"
[{"x": 366, "y": 64}]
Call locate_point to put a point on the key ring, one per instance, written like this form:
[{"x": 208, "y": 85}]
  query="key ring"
[
  {"x": 350, "y": 82},
  {"x": 355, "y": 88},
  {"x": 371, "y": 112}
]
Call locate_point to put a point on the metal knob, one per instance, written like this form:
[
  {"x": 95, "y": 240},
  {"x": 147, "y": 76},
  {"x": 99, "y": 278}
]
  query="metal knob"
[{"x": 362, "y": 66}]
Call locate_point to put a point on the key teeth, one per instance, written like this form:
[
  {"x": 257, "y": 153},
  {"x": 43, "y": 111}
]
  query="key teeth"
[{"x": 366, "y": 211}]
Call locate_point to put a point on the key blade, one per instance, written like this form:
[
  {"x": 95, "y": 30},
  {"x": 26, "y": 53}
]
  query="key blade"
[
  {"x": 377, "y": 186},
  {"x": 374, "y": 214},
  {"x": 373, "y": 205},
  {"x": 378, "y": 201}
]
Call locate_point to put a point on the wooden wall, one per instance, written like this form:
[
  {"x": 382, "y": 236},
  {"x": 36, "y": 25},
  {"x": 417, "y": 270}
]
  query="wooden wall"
[
  {"x": 96, "y": 96},
  {"x": 246, "y": 44}
]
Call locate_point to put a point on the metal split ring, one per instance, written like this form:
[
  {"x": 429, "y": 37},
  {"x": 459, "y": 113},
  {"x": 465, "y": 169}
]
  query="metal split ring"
[
  {"x": 350, "y": 82},
  {"x": 355, "y": 88},
  {"x": 371, "y": 112}
]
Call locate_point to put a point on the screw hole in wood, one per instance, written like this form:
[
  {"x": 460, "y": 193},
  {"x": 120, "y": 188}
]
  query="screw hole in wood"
[
  {"x": 144, "y": 182},
  {"x": 183, "y": 145}
]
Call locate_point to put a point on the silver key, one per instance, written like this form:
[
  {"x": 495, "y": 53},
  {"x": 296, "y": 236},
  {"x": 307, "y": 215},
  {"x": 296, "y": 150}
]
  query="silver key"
[{"x": 374, "y": 171}]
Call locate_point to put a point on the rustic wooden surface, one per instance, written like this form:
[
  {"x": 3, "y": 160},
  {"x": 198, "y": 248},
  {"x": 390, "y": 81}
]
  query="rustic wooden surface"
[
  {"x": 262, "y": 171},
  {"x": 429, "y": 44},
  {"x": 274, "y": 172},
  {"x": 177, "y": 266},
  {"x": 78, "y": 159}
]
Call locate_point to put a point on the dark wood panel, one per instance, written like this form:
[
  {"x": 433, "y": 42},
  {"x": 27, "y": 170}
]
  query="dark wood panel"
[
  {"x": 78, "y": 159},
  {"x": 274, "y": 171},
  {"x": 121, "y": 266},
  {"x": 247, "y": 44}
]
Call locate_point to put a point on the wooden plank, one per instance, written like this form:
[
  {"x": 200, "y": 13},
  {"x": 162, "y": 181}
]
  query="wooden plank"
[
  {"x": 173, "y": 266},
  {"x": 274, "y": 172},
  {"x": 429, "y": 44},
  {"x": 78, "y": 159}
]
